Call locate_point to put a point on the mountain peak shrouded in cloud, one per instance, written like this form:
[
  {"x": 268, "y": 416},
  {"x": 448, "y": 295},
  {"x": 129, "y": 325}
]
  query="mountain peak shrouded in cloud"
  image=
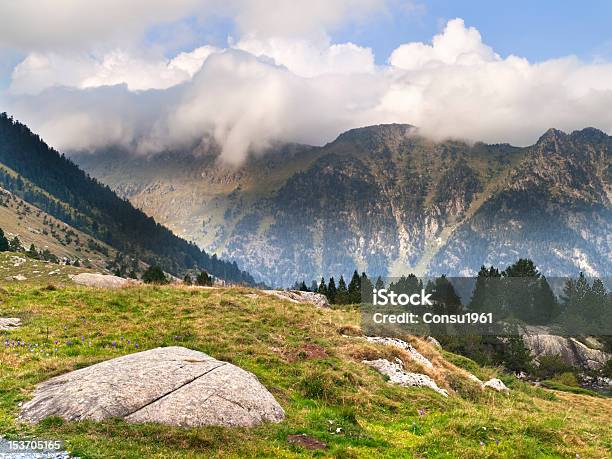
[{"x": 282, "y": 78}]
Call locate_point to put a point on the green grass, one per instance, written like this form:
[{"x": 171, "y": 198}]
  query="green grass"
[
  {"x": 71, "y": 327},
  {"x": 551, "y": 384}
]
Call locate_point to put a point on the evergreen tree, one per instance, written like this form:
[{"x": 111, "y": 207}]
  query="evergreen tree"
[
  {"x": 380, "y": 284},
  {"x": 32, "y": 252},
  {"x": 487, "y": 292},
  {"x": 331, "y": 291},
  {"x": 154, "y": 275},
  {"x": 366, "y": 289},
  {"x": 204, "y": 279},
  {"x": 303, "y": 287},
  {"x": 313, "y": 286},
  {"x": 322, "y": 287},
  {"x": 187, "y": 279},
  {"x": 354, "y": 289},
  {"x": 15, "y": 245},
  {"x": 342, "y": 294},
  {"x": 4, "y": 243}
]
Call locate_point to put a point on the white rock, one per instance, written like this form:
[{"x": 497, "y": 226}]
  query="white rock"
[
  {"x": 9, "y": 323},
  {"x": 497, "y": 385},
  {"x": 570, "y": 350},
  {"x": 171, "y": 385},
  {"x": 397, "y": 375},
  {"x": 297, "y": 296},
  {"x": 414, "y": 354},
  {"x": 434, "y": 342},
  {"x": 102, "y": 280}
]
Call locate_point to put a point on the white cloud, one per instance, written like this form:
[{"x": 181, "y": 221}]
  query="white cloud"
[
  {"x": 456, "y": 45},
  {"x": 41, "y": 71},
  {"x": 307, "y": 90},
  {"x": 309, "y": 58}
]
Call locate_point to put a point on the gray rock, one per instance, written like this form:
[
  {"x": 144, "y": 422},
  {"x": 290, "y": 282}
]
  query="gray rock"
[
  {"x": 414, "y": 354},
  {"x": 434, "y": 342},
  {"x": 9, "y": 323},
  {"x": 171, "y": 385},
  {"x": 102, "y": 280},
  {"x": 570, "y": 350},
  {"x": 297, "y": 296},
  {"x": 397, "y": 375},
  {"x": 497, "y": 385}
]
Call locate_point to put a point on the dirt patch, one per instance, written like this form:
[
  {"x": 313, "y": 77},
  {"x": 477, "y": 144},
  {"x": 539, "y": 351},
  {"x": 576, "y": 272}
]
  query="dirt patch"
[{"x": 306, "y": 442}]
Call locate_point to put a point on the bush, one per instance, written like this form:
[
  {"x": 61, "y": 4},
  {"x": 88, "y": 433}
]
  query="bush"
[
  {"x": 154, "y": 275},
  {"x": 550, "y": 366}
]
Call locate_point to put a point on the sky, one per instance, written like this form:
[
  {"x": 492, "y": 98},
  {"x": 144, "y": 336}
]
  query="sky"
[{"x": 156, "y": 75}]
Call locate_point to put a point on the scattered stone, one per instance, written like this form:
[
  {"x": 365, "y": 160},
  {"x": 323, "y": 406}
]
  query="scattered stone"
[
  {"x": 17, "y": 261},
  {"x": 170, "y": 385},
  {"x": 18, "y": 277},
  {"x": 497, "y": 385},
  {"x": 9, "y": 323},
  {"x": 297, "y": 296},
  {"x": 306, "y": 442},
  {"x": 416, "y": 355},
  {"x": 475, "y": 379},
  {"x": 397, "y": 375},
  {"x": 434, "y": 342},
  {"x": 102, "y": 280}
]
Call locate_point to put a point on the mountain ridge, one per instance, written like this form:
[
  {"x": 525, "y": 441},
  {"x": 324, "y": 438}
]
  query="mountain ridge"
[{"x": 386, "y": 200}]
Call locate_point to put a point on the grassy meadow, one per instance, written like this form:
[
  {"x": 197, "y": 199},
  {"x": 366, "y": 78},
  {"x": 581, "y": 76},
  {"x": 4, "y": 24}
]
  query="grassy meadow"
[{"x": 309, "y": 358}]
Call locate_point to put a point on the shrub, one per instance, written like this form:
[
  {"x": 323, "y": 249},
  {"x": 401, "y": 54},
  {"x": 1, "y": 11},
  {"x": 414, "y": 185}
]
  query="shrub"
[{"x": 154, "y": 275}]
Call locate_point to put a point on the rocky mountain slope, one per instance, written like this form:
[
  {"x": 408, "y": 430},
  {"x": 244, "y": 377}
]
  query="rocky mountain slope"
[
  {"x": 31, "y": 225},
  {"x": 32, "y": 171},
  {"x": 385, "y": 200}
]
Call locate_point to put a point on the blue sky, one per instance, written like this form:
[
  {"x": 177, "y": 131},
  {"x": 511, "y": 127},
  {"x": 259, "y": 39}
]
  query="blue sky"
[{"x": 536, "y": 29}]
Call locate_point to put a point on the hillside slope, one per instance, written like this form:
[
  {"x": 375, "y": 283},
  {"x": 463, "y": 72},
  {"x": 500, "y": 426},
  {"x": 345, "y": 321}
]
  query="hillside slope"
[
  {"x": 311, "y": 361},
  {"x": 385, "y": 200},
  {"x": 34, "y": 226},
  {"x": 43, "y": 177}
]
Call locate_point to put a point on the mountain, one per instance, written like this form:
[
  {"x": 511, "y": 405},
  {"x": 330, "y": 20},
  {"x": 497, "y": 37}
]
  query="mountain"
[
  {"x": 385, "y": 200},
  {"x": 41, "y": 176},
  {"x": 31, "y": 225}
]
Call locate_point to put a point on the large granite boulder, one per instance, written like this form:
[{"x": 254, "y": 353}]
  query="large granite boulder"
[{"x": 170, "y": 385}]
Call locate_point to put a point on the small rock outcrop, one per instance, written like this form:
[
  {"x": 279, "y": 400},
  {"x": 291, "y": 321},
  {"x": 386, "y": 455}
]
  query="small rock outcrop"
[
  {"x": 102, "y": 280},
  {"x": 9, "y": 323},
  {"x": 171, "y": 385},
  {"x": 570, "y": 350},
  {"x": 497, "y": 385},
  {"x": 434, "y": 342},
  {"x": 397, "y": 375},
  {"x": 297, "y": 296},
  {"x": 409, "y": 348}
]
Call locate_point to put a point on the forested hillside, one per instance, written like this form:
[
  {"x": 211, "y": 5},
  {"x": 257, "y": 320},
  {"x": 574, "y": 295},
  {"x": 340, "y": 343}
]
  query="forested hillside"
[{"x": 43, "y": 177}]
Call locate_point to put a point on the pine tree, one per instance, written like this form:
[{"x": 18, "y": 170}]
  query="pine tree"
[
  {"x": 380, "y": 284},
  {"x": 342, "y": 294},
  {"x": 4, "y": 243},
  {"x": 354, "y": 289},
  {"x": 322, "y": 287},
  {"x": 32, "y": 252},
  {"x": 204, "y": 279},
  {"x": 365, "y": 295},
  {"x": 331, "y": 290},
  {"x": 15, "y": 245},
  {"x": 187, "y": 279},
  {"x": 154, "y": 275},
  {"x": 303, "y": 287}
]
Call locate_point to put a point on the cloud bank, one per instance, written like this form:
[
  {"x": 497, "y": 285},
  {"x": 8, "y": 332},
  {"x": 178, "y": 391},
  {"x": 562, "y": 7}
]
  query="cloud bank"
[{"x": 292, "y": 84}]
